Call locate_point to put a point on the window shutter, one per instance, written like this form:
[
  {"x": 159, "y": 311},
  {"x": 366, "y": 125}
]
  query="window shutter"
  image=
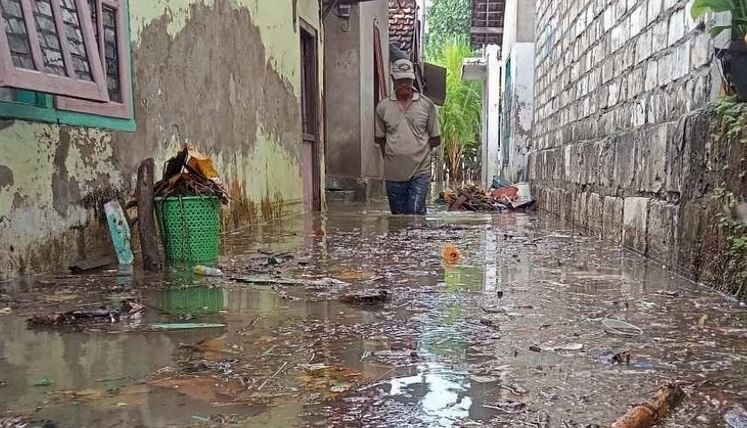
[
  {"x": 49, "y": 46},
  {"x": 109, "y": 26}
]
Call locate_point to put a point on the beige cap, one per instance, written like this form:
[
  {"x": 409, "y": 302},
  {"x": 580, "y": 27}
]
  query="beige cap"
[{"x": 403, "y": 69}]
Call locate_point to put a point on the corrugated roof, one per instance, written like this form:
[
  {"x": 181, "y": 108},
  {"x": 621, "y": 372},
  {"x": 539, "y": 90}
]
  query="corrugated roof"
[{"x": 403, "y": 16}]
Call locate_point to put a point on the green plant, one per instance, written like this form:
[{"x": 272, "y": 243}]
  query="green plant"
[
  {"x": 736, "y": 233},
  {"x": 733, "y": 119},
  {"x": 446, "y": 20},
  {"x": 461, "y": 114},
  {"x": 738, "y": 9}
]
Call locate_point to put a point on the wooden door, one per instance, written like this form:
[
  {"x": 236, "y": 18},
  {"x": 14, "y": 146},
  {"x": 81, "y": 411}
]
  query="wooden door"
[{"x": 310, "y": 119}]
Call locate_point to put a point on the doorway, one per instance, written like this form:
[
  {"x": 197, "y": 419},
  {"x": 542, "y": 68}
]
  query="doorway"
[{"x": 311, "y": 173}]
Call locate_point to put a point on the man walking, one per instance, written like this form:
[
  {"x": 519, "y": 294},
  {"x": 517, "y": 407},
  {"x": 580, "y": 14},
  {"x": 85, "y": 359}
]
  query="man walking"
[{"x": 407, "y": 129}]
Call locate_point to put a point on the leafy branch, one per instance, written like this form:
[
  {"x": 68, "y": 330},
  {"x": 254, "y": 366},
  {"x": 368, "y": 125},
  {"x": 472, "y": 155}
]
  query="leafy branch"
[{"x": 737, "y": 8}]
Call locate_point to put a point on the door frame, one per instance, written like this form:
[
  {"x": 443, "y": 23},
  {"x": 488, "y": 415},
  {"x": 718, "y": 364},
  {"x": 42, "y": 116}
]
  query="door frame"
[{"x": 310, "y": 104}]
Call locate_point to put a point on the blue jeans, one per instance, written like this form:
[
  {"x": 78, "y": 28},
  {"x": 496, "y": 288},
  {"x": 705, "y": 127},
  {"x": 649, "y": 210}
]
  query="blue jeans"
[{"x": 408, "y": 197}]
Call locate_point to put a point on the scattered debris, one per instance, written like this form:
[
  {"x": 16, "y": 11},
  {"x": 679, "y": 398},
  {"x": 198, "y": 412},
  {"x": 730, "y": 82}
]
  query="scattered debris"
[
  {"x": 185, "y": 326},
  {"x": 366, "y": 297},
  {"x": 45, "y": 381},
  {"x": 207, "y": 271},
  {"x": 208, "y": 389},
  {"x": 621, "y": 328},
  {"x": 736, "y": 417},
  {"x": 484, "y": 379},
  {"x": 653, "y": 411},
  {"x": 128, "y": 310},
  {"x": 329, "y": 380},
  {"x": 535, "y": 348},
  {"x": 96, "y": 261},
  {"x": 566, "y": 347},
  {"x": 324, "y": 282},
  {"x": 472, "y": 198},
  {"x": 610, "y": 357},
  {"x": 507, "y": 406}
]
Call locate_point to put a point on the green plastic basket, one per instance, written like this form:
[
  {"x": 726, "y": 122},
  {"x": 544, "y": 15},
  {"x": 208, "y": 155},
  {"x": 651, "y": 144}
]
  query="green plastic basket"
[{"x": 190, "y": 228}]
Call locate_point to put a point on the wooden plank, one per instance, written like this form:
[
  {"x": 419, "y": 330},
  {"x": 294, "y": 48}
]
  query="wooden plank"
[
  {"x": 458, "y": 203},
  {"x": 145, "y": 219},
  {"x": 120, "y": 233}
]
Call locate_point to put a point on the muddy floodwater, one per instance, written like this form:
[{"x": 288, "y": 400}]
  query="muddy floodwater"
[{"x": 534, "y": 325}]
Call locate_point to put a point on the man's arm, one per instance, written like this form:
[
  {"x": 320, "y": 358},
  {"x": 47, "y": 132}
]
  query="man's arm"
[
  {"x": 382, "y": 145},
  {"x": 380, "y": 131},
  {"x": 434, "y": 128}
]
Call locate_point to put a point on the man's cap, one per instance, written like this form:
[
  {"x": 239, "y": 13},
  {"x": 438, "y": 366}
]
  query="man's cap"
[{"x": 403, "y": 69}]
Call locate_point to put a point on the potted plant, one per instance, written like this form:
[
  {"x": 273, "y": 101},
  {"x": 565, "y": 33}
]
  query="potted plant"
[{"x": 734, "y": 59}]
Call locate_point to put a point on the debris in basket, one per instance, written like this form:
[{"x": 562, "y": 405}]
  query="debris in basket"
[{"x": 190, "y": 173}]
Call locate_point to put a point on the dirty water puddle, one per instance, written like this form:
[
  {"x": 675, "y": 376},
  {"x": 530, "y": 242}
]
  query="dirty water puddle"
[{"x": 373, "y": 320}]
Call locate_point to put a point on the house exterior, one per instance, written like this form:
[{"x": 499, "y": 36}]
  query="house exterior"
[
  {"x": 357, "y": 76},
  {"x": 133, "y": 79}
]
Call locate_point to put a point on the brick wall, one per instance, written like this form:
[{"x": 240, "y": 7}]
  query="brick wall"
[{"x": 618, "y": 143}]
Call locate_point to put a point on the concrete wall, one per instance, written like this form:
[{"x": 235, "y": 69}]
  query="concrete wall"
[
  {"x": 353, "y": 160},
  {"x": 491, "y": 116},
  {"x": 620, "y": 140},
  {"x": 223, "y": 75},
  {"x": 518, "y": 22},
  {"x": 517, "y": 110}
]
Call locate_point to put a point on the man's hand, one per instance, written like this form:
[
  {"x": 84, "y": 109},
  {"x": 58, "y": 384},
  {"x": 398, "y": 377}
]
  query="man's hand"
[{"x": 434, "y": 142}]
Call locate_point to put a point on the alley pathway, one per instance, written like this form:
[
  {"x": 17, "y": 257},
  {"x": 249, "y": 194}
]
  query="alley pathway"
[{"x": 517, "y": 333}]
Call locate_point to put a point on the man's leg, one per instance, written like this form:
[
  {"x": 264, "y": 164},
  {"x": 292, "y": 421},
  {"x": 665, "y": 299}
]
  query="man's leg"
[
  {"x": 417, "y": 194},
  {"x": 397, "y": 194}
]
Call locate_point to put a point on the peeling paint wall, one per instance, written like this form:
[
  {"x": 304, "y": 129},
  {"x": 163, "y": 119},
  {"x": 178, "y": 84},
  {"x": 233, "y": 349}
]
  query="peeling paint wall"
[{"x": 223, "y": 75}]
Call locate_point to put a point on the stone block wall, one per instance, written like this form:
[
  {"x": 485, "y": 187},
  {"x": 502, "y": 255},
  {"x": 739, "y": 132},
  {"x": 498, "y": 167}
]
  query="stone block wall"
[{"x": 619, "y": 136}]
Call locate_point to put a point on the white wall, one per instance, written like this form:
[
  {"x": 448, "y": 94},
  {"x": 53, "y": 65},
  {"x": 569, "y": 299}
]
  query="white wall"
[
  {"x": 492, "y": 119},
  {"x": 521, "y": 100}
]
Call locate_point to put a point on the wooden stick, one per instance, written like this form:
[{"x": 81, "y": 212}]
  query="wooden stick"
[
  {"x": 145, "y": 218},
  {"x": 273, "y": 376},
  {"x": 654, "y": 411}
]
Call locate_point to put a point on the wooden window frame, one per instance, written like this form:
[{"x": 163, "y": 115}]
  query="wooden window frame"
[
  {"x": 42, "y": 81},
  {"x": 111, "y": 108}
]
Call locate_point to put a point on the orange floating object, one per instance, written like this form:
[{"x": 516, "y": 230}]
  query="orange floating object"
[{"x": 451, "y": 254}]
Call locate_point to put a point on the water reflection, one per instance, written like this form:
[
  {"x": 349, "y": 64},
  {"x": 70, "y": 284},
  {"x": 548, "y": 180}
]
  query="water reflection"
[{"x": 441, "y": 394}]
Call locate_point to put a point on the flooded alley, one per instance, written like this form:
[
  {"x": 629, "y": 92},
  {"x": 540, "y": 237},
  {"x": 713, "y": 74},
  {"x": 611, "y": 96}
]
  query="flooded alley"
[{"x": 353, "y": 318}]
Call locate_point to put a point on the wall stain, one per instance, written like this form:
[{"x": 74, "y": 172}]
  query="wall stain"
[
  {"x": 6, "y": 176},
  {"x": 65, "y": 190},
  {"x": 212, "y": 83}
]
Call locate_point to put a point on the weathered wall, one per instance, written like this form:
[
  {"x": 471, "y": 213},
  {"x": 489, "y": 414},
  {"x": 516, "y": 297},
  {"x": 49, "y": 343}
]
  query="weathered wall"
[
  {"x": 353, "y": 160},
  {"x": 223, "y": 75},
  {"x": 518, "y": 109},
  {"x": 614, "y": 80},
  {"x": 342, "y": 102}
]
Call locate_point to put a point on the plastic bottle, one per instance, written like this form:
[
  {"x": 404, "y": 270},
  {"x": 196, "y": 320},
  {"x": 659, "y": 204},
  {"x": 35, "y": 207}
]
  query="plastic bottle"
[{"x": 207, "y": 271}]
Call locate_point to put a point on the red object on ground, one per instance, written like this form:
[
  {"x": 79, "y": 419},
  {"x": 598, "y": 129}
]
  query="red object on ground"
[{"x": 509, "y": 192}]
